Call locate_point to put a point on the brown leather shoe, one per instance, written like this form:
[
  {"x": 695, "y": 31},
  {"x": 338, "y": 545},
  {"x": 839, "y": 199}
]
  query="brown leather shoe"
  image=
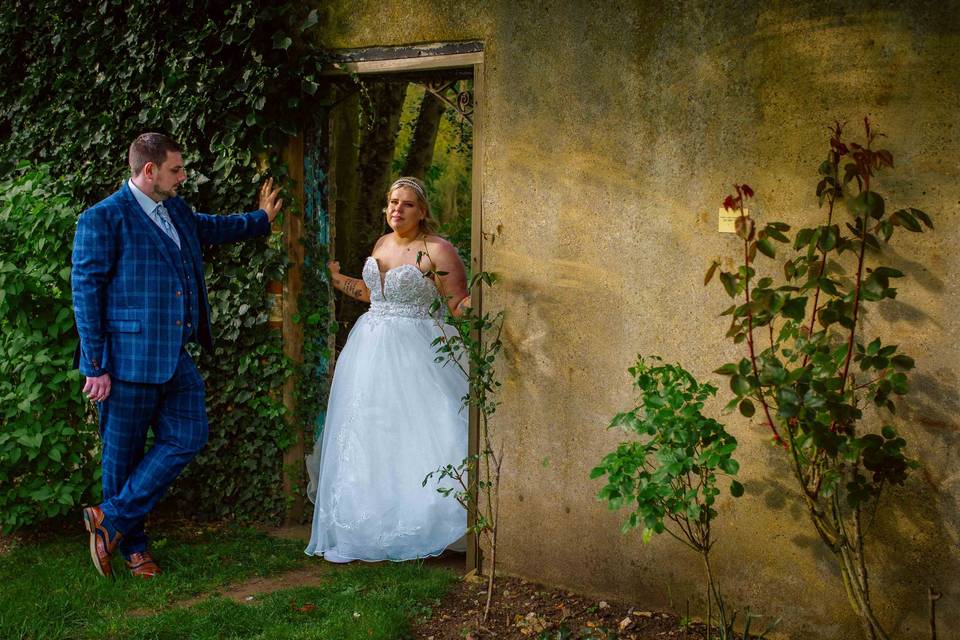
[
  {"x": 142, "y": 565},
  {"x": 101, "y": 545}
]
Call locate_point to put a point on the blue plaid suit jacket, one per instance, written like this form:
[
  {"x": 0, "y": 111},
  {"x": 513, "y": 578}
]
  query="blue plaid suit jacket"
[{"x": 127, "y": 291}]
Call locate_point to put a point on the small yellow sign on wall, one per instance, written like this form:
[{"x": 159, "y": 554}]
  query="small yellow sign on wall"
[{"x": 728, "y": 219}]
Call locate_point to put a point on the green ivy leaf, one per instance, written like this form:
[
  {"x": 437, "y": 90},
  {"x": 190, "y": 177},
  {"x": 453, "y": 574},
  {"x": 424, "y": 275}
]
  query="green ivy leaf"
[
  {"x": 795, "y": 308},
  {"x": 311, "y": 20},
  {"x": 922, "y": 217},
  {"x": 710, "y": 271},
  {"x": 905, "y": 218},
  {"x": 902, "y": 362},
  {"x": 866, "y": 203},
  {"x": 736, "y": 489},
  {"x": 730, "y": 466},
  {"x": 740, "y": 385},
  {"x": 729, "y": 283}
]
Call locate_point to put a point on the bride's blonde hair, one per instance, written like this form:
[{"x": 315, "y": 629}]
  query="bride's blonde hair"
[{"x": 428, "y": 225}]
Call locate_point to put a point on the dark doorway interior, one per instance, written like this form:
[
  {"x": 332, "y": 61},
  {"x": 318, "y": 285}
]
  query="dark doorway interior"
[{"x": 384, "y": 127}]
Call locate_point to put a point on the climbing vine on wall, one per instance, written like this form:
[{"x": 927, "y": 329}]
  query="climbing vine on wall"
[{"x": 230, "y": 81}]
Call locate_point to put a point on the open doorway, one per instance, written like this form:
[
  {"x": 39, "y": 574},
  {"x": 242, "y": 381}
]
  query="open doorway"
[
  {"x": 388, "y": 113},
  {"x": 386, "y": 126}
]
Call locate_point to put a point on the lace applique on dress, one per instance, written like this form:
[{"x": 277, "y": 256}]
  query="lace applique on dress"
[
  {"x": 403, "y": 292},
  {"x": 394, "y": 415}
]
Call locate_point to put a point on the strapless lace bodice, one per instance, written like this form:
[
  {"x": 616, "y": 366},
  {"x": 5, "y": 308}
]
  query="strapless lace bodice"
[{"x": 403, "y": 291}]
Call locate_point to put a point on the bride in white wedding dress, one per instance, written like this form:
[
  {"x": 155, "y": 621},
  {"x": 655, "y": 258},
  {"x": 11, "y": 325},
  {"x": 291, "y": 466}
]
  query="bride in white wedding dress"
[{"x": 394, "y": 414}]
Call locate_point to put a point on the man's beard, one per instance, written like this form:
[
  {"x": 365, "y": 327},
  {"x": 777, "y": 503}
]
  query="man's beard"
[{"x": 170, "y": 193}]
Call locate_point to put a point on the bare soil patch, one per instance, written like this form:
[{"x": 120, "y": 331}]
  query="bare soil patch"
[
  {"x": 252, "y": 590},
  {"x": 249, "y": 591},
  {"x": 6, "y": 544},
  {"x": 522, "y": 609}
]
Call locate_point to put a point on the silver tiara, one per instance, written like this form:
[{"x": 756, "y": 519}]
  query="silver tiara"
[{"x": 406, "y": 182}]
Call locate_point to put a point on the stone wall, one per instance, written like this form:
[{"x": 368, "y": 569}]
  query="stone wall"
[{"x": 611, "y": 132}]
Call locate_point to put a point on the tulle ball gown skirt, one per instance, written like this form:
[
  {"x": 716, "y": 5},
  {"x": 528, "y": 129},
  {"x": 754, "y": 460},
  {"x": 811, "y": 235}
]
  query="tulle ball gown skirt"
[{"x": 394, "y": 415}]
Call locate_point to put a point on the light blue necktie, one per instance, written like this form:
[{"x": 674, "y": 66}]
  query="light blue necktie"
[{"x": 163, "y": 218}]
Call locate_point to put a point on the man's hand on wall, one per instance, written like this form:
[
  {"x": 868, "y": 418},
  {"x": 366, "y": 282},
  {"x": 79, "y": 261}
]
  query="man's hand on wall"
[{"x": 270, "y": 199}]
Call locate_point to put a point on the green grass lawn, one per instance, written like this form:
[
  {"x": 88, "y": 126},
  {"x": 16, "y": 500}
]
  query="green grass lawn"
[{"x": 50, "y": 591}]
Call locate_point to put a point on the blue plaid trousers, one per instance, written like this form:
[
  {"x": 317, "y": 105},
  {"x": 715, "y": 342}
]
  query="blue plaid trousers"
[{"x": 134, "y": 480}]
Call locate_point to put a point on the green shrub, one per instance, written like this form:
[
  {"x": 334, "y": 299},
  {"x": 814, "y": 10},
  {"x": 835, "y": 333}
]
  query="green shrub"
[
  {"x": 48, "y": 434},
  {"x": 668, "y": 473}
]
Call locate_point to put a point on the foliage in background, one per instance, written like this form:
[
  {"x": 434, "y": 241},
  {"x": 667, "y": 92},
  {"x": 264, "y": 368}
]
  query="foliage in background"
[
  {"x": 230, "y": 82},
  {"x": 810, "y": 372},
  {"x": 47, "y": 436},
  {"x": 459, "y": 231},
  {"x": 668, "y": 475},
  {"x": 448, "y": 178}
]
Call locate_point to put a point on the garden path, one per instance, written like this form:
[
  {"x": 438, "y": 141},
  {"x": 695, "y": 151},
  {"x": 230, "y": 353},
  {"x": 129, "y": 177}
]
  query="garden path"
[{"x": 311, "y": 575}]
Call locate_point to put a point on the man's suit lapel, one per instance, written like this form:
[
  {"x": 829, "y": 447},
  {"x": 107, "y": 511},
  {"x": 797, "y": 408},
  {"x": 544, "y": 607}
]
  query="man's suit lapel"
[{"x": 138, "y": 217}]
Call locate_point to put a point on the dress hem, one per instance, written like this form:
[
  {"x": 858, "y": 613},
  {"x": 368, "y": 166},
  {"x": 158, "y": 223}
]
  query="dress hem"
[{"x": 349, "y": 559}]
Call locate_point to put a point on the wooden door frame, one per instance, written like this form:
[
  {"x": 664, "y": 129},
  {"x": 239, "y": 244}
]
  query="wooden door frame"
[{"x": 384, "y": 61}]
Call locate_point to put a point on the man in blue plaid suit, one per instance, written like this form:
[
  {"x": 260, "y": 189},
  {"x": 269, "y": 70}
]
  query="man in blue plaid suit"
[{"x": 139, "y": 297}]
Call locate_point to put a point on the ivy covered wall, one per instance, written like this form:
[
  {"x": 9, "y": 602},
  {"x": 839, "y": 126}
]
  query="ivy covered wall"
[{"x": 230, "y": 81}]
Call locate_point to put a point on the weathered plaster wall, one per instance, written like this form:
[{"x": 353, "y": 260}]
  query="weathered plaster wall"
[{"x": 612, "y": 130}]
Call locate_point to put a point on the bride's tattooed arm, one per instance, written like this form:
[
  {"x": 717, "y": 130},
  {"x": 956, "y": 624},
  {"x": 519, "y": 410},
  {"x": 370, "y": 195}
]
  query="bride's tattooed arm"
[{"x": 353, "y": 287}]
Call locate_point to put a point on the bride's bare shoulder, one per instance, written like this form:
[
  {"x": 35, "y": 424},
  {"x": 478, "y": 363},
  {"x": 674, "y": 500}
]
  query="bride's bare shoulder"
[
  {"x": 439, "y": 244},
  {"x": 381, "y": 241}
]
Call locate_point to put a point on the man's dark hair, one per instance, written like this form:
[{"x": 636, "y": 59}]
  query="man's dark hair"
[{"x": 151, "y": 147}]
